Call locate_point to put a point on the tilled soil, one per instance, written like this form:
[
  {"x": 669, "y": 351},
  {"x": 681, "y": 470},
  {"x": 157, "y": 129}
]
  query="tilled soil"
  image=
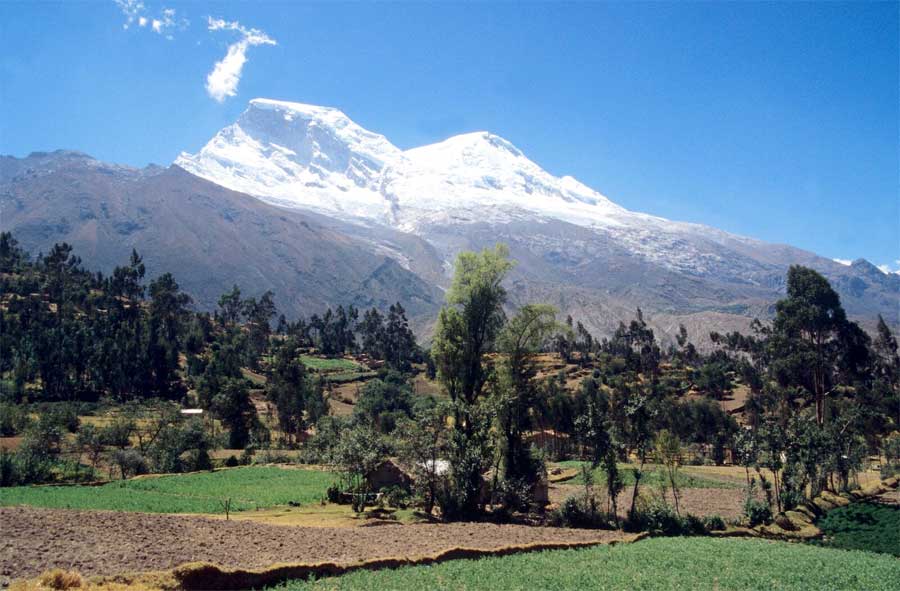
[
  {"x": 106, "y": 543},
  {"x": 724, "y": 502}
]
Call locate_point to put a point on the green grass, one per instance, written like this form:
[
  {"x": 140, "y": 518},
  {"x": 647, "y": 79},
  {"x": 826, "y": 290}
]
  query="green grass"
[
  {"x": 326, "y": 365},
  {"x": 862, "y": 526},
  {"x": 202, "y": 492},
  {"x": 660, "y": 563},
  {"x": 653, "y": 476}
]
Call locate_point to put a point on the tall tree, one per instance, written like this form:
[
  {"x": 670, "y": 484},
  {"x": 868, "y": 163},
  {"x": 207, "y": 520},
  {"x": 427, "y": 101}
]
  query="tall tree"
[
  {"x": 807, "y": 322},
  {"x": 466, "y": 329},
  {"x": 523, "y": 336}
]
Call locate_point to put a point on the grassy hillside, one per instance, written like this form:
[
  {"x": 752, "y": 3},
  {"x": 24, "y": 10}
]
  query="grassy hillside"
[
  {"x": 203, "y": 492},
  {"x": 662, "y": 563}
]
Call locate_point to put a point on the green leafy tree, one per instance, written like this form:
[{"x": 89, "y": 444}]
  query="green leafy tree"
[
  {"x": 467, "y": 328},
  {"x": 807, "y": 323},
  {"x": 290, "y": 389},
  {"x": 523, "y": 336}
]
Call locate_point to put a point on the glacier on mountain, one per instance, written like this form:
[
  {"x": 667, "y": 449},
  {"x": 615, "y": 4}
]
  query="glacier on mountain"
[{"x": 310, "y": 157}]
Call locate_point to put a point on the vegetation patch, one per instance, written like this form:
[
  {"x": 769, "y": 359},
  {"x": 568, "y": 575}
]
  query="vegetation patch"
[
  {"x": 327, "y": 365},
  {"x": 651, "y": 477},
  {"x": 874, "y": 527},
  {"x": 350, "y": 376},
  {"x": 659, "y": 563},
  {"x": 202, "y": 492}
]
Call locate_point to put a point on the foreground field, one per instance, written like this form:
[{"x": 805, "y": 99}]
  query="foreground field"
[
  {"x": 662, "y": 563},
  {"x": 109, "y": 543},
  {"x": 248, "y": 488}
]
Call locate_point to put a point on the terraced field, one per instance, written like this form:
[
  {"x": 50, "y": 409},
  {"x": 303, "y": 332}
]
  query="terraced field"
[
  {"x": 674, "y": 564},
  {"x": 254, "y": 487}
]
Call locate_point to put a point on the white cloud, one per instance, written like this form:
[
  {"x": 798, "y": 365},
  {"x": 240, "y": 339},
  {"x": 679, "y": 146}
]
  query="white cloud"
[
  {"x": 166, "y": 21},
  {"x": 163, "y": 24},
  {"x": 132, "y": 10},
  {"x": 223, "y": 80},
  {"x": 845, "y": 262}
]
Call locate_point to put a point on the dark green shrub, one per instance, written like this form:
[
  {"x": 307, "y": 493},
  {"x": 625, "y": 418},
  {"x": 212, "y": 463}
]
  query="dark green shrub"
[
  {"x": 714, "y": 523},
  {"x": 8, "y": 473},
  {"x": 873, "y": 527},
  {"x": 130, "y": 462},
  {"x": 333, "y": 493},
  {"x": 693, "y": 525},
  {"x": 13, "y": 419},
  {"x": 515, "y": 494},
  {"x": 581, "y": 512},
  {"x": 232, "y": 461},
  {"x": 396, "y": 496},
  {"x": 757, "y": 512}
]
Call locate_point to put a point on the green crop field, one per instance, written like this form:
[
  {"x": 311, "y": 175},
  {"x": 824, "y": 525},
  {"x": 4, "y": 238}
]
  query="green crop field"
[
  {"x": 660, "y": 563},
  {"x": 862, "y": 526},
  {"x": 324, "y": 365},
  {"x": 653, "y": 476},
  {"x": 200, "y": 492}
]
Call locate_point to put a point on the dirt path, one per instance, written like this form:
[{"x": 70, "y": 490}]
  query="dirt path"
[{"x": 106, "y": 543}]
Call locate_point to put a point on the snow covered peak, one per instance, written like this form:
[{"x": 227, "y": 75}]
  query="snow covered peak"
[
  {"x": 312, "y": 157},
  {"x": 484, "y": 173},
  {"x": 298, "y": 155},
  {"x": 291, "y": 122}
]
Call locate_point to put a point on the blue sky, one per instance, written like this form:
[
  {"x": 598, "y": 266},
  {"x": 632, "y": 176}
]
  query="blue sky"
[{"x": 777, "y": 121}]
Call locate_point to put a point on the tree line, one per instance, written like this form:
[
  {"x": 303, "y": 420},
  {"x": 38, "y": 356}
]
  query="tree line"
[{"x": 822, "y": 393}]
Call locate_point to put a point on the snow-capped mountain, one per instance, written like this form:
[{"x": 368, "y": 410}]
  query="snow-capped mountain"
[
  {"x": 576, "y": 248},
  {"x": 304, "y": 201},
  {"x": 316, "y": 158}
]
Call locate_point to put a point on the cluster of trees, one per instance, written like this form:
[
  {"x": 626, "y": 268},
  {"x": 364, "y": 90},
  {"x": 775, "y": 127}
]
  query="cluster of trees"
[
  {"x": 823, "y": 393},
  {"x": 70, "y": 337},
  {"x": 386, "y": 337},
  {"x": 82, "y": 335}
]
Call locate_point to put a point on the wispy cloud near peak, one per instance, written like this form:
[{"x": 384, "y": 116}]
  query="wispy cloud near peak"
[{"x": 223, "y": 80}]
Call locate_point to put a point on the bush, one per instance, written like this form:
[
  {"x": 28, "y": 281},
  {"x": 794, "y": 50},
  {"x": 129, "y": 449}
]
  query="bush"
[
  {"x": 8, "y": 475},
  {"x": 232, "y": 461},
  {"x": 396, "y": 496},
  {"x": 333, "y": 493},
  {"x": 581, "y": 512},
  {"x": 130, "y": 462},
  {"x": 658, "y": 518},
  {"x": 515, "y": 494},
  {"x": 28, "y": 465},
  {"x": 714, "y": 523},
  {"x": 757, "y": 512},
  {"x": 13, "y": 419}
]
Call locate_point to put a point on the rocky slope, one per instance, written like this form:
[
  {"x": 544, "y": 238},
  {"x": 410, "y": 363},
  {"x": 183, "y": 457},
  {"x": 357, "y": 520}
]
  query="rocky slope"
[{"x": 209, "y": 237}]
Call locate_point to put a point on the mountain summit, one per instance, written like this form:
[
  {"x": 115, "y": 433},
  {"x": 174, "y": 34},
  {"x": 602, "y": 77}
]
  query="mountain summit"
[{"x": 317, "y": 158}]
